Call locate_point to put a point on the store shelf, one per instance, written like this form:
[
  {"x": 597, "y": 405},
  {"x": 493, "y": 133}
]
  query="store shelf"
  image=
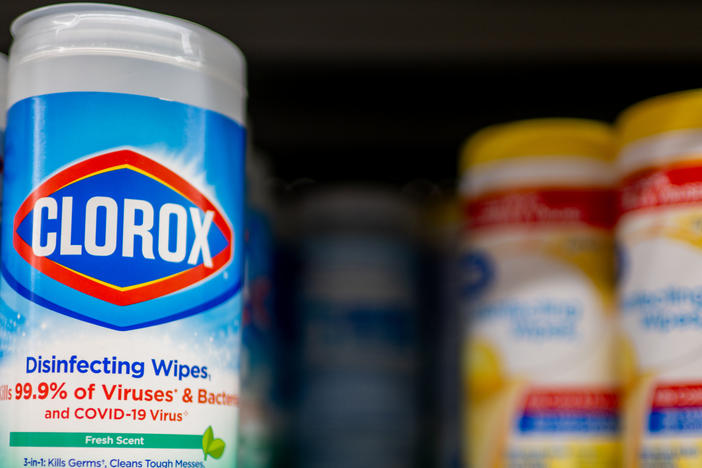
[{"x": 387, "y": 90}]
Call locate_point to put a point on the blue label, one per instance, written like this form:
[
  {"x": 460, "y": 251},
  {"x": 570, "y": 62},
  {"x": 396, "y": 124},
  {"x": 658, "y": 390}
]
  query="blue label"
[
  {"x": 575, "y": 422},
  {"x": 131, "y": 221},
  {"x": 258, "y": 322},
  {"x": 675, "y": 421},
  {"x": 259, "y": 369},
  {"x": 479, "y": 273}
]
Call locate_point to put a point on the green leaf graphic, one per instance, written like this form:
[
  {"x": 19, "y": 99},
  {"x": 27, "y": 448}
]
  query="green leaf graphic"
[
  {"x": 211, "y": 446},
  {"x": 216, "y": 448},
  {"x": 207, "y": 440}
]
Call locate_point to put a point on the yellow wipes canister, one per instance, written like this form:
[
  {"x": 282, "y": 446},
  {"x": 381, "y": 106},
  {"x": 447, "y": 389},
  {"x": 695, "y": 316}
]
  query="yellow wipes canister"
[
  {"x": 659, "y": 234},
  {"x": 537, "y": 292}
]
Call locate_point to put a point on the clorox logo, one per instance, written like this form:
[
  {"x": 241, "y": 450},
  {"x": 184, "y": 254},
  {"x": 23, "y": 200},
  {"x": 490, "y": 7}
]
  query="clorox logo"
[{"x": 122, "y": 228}]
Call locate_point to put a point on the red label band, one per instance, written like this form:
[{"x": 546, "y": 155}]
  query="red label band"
[
  {"x": 672, "y": 186},
  {"x": 595, "y": 207},
  {"x": 546, "y": 400},
  {"x": 683, "y": 395}
]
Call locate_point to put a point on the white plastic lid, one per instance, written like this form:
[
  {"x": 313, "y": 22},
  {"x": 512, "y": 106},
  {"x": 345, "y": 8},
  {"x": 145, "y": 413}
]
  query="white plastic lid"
[
  {"x": 3, "y": 91},
  {"x": 83, "y": 29}
]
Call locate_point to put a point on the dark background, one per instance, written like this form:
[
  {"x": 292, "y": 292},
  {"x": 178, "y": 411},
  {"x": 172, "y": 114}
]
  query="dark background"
[{"x": 387, "y": 89}]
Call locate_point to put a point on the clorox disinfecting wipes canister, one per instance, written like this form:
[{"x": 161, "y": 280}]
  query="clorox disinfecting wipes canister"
[{"x": 122, "y": 237}]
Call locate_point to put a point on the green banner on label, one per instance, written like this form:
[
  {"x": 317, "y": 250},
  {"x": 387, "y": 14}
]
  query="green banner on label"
[{"x": 105, "y": 440}]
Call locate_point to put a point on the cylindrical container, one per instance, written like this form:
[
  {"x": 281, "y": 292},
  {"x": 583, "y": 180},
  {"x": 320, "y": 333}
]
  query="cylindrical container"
[
  {"x": 3, "y": 106},
  {"x": 441, "y": 320},
  {"x": 3, "y": 109},
  {"x": 123, "y": 234},
  {"x": 357, "y": 306},
  {"x": 3, "y": 98},
  {"x": 659, "y": 235},
  {"x": 537, "y": 291},
  {"x": 259, "y": 427}
]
